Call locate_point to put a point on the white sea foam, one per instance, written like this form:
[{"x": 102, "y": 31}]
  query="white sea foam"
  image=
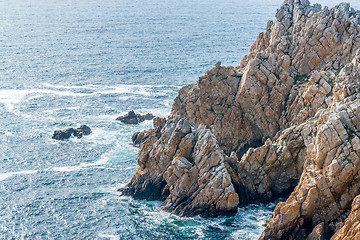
[
  {"x": 11, "y": 97},
  {"x": 103, "y": 117},
  {"x": 92, "y": 86},
  {"x": 67, "y": 168},
  {"x": 52, "y": 111},
  {"x": 62, "y": 93},
  {"x": 9, "y": 133},
  {"x": 101, "y": 161},
  {"x": 110, "y": 236},
  {"x": 100, "y": 136},
  {"x": 239, "y": 234},
  {"x": 199, "y": 232},
  {"x": 88, "y": 86},
  {"x": 124, "y": 98},
  {"x": 4, "y": 176},
  {"x": 138, "y": 89},
  {"x": 122, "y": 186},
  {"x": 127, "y": 89}
]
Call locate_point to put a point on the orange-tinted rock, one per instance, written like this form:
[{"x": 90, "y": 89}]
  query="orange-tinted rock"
[
  {"x": 185, "y": 168},
  {"x": 351, "y": 229}
]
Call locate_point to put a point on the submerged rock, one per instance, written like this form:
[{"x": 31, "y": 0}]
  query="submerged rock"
[
  {"x": 285, "y": 123},
  {"x": 63, "y": 134},
  {"x": 81, "y": 131},
  {"x": 132, "y": 118}
]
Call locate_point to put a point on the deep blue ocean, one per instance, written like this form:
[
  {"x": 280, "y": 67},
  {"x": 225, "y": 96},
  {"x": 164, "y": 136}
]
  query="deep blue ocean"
[{"x": 67, "y": 63}]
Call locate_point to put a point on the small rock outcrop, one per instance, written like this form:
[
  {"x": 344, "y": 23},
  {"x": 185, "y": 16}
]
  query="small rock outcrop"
[
  {"x": 79, "y": 132},
  {"x": 185, "y": 168},
  {"x": 284, "y": 123},
  {"x": 132, "y": 118}
]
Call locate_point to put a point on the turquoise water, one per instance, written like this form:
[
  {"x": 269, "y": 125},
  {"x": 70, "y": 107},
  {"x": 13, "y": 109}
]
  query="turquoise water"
[{"x": 68, "y": 63}]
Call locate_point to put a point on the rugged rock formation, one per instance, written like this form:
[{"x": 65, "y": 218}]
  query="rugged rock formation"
[
  {"x": 268, "y": 172},
  {"x": 286, "y": 122},
  {"x": 81, "y": 131},
  {"x": 132, "y": 118},
  {"x": 139, "y": 137},
  {"x": 211, "y": 102},
  {"x": 330, "y": 178},
  {"x": 351, "y": 229},
  {"x": 247, "y": 112},
  {"x": 185, "y": 168}
]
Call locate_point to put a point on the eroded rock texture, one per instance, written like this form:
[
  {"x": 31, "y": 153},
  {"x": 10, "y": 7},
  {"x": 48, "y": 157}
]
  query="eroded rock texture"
[
  {"x": 284, "y": 123},
  {"x": 330, "y": 178},
  {"x": 351, "y": 229},
  {"x": 185, "y": 168}
]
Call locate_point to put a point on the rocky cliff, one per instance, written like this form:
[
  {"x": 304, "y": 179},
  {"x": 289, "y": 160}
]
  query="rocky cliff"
[{"x": 284, "y": 123}]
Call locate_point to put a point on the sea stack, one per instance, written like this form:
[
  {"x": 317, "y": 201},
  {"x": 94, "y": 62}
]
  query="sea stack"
[{"x": 284, "y": 123}]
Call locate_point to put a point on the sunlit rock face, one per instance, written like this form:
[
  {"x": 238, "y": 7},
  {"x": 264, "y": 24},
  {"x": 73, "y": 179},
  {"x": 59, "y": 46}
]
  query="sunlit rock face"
[{"x": 284, "y": 123}]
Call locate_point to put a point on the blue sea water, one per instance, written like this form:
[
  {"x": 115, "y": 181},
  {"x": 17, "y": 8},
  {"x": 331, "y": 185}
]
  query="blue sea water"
[{"x": 67, "y": 63}]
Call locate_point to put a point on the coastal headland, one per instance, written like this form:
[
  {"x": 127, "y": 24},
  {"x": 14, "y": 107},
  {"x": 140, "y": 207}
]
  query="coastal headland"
[{"x": 284, "y": 123}]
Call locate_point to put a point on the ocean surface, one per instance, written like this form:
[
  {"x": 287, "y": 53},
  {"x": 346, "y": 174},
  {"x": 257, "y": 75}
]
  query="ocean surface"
[{"x": 67, "y": 63}]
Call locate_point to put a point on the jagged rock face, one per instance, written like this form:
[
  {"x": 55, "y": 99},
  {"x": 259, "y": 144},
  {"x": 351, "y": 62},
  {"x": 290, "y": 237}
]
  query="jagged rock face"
[
  {"x": 289, "y": 119},
  {"x": 307, "y": 98},
  {"x": 320, "y": 232},
  {"x": 246, "y": 105},
  {"x": 330, "y": 179},
  {"x": 351, "y": 229},
  {"x": 185, "y": 168},
  {"x": 313, "y": 38},
  {"x": 265, "y": 173},
  {"x": 139, "y": 137},
  {"x": 211, "y": 102}
]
